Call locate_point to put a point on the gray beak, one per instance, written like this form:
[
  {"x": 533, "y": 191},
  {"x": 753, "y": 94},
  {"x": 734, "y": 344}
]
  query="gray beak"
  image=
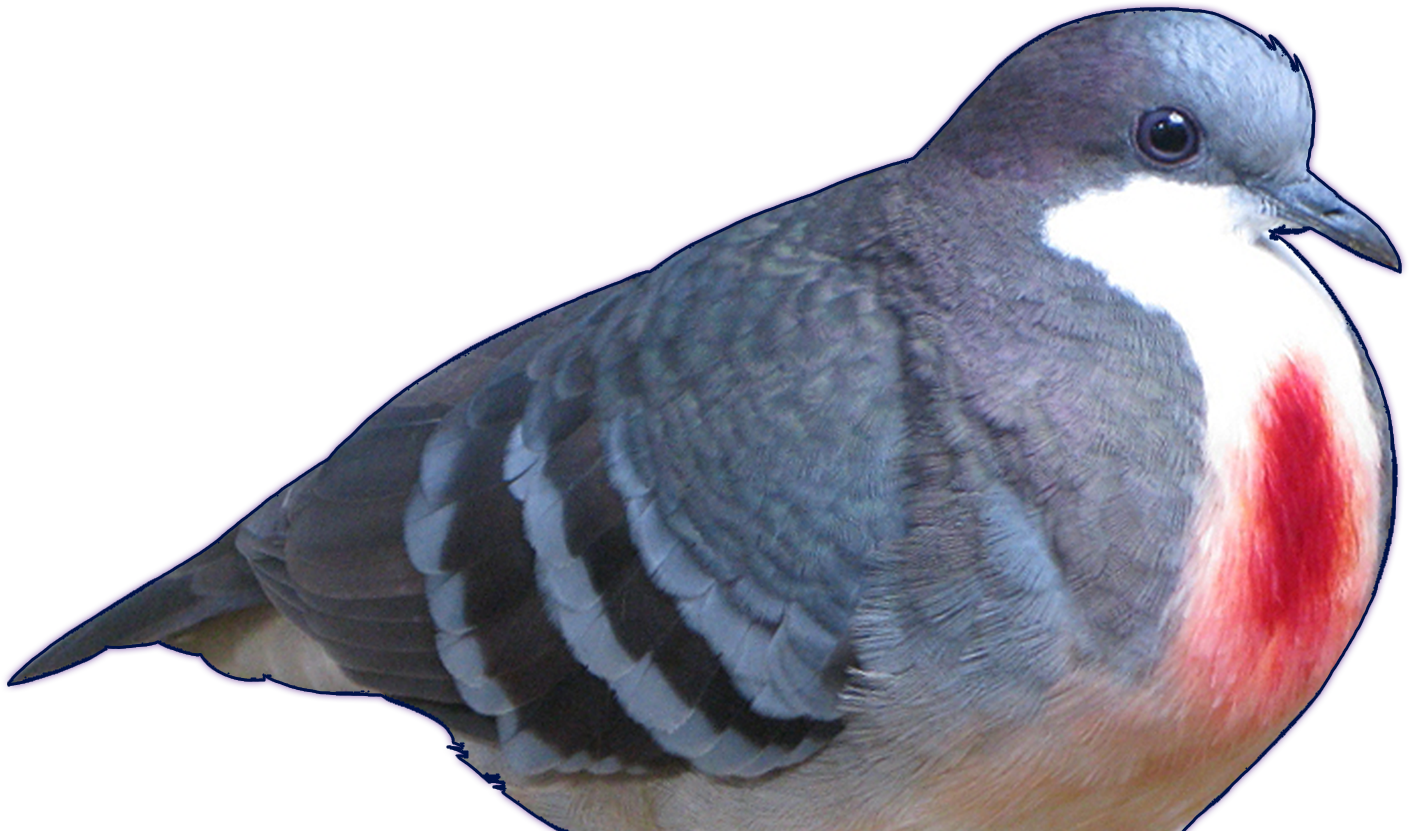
[{"x": 1310, "y": 205}]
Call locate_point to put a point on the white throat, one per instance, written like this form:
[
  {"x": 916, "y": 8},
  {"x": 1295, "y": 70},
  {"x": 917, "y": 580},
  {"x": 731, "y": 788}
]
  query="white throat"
[{"x": 1245, "y": 303}]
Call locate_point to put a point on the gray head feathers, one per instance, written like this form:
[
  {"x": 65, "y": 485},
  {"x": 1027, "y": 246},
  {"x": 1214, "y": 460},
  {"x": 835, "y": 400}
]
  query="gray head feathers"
[{"x": 1064, "y": 106}]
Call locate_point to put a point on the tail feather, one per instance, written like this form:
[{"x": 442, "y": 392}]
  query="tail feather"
[{"x": 216, "y": 581}]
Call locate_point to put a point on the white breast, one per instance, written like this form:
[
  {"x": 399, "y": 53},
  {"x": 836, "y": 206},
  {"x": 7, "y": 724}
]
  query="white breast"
[{"x": 1244, "y": 302}]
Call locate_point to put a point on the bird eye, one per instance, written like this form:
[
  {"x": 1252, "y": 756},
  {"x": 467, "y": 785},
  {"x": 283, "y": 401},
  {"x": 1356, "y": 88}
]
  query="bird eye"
[{"x": 1167, "y": 135}]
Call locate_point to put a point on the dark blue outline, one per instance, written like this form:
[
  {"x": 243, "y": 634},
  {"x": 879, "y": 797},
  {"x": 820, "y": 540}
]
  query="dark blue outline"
[{"x": 1279, "y": 234}]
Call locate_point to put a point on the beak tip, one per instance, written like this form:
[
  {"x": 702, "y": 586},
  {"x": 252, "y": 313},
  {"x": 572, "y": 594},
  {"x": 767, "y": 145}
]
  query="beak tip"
[
  {"x": 1386, "y": 256},
  {"x": 1367, "y": 242}
]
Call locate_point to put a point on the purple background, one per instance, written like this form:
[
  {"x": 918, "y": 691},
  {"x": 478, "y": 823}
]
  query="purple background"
[{"x": 236, "y": 234}]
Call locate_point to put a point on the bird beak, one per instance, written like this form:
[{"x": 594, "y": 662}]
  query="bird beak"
[{"x": 1310, "y": 205}]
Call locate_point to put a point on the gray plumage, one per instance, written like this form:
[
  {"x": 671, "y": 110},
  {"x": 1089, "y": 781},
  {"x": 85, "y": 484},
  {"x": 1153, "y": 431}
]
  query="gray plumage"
[{"x": 834, "y": 453}]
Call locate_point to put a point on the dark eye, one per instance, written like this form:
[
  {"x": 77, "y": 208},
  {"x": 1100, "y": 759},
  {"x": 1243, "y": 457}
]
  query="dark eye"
[{"x": 1167, "y": 135}]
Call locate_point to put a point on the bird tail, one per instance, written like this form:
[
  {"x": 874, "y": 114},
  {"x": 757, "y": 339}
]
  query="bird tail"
[{"x": 216, "y": 581}]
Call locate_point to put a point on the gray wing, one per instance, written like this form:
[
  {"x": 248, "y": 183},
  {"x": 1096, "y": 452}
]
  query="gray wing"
[
  {"x": 630, "y": 533},
  {"x": 700, "y": 466}
]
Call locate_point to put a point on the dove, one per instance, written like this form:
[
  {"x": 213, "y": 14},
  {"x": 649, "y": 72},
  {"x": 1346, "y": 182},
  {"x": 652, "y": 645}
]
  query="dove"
[{"x": 840, "y": 468}]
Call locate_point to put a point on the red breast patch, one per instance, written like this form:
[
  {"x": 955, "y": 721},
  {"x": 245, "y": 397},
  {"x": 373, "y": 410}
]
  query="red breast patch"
[{"x": 1281, "y": 570}]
